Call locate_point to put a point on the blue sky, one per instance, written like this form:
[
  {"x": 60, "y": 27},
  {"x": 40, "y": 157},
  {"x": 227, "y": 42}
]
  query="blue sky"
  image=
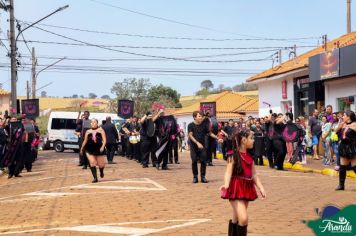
[{"x": 227, "y": 19}]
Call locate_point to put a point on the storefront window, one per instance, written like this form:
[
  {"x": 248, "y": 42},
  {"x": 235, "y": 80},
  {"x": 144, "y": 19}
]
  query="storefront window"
[{"x": 346, "y": 103}]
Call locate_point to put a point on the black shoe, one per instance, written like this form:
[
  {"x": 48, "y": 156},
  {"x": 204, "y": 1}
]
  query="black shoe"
[
  {"x": 154, "y": 165},
  {"x": 165, "y": 168},
  {"x": 29, "y": 170},
  {"x": 204, "y": 180},
  {"x": 18, "y": 175},
  {"x": 101, "y": 172},
  {"x": 144, "y": 166},
  {"x": 85, "y": 167},
  {"x": 10, "y": 176},
  {"x": 340, "y": 188},
  {"x": 210, "y": 164},
  {"x": 157, "y": 166},
  {"x": 94, "y": 181},
  {"x": 80, "y": 164},
  {"x": 195, "y": 180},
  {"x": 177, "y": 162}
]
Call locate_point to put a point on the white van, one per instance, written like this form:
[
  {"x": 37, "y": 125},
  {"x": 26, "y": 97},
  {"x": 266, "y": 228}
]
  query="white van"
[{"x": 61, "y": 129}]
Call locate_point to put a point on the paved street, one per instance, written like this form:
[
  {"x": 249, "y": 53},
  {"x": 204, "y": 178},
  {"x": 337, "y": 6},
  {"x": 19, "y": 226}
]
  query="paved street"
[{"x": 58, "y": 198}]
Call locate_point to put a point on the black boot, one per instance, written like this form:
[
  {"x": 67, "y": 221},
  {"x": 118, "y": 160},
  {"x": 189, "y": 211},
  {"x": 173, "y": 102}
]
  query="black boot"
[
  {"x": 241, "y": 230},
  {"x": 101, "y": 172},
  {"x": 232, "y": 229},
  {"x": 354, "y": 168},
  {"x": 342, "y": 177},
  {"x": 93, "y": 171}
]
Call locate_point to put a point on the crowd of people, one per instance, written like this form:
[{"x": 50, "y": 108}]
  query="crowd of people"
[{"x": 19, "y": 140}]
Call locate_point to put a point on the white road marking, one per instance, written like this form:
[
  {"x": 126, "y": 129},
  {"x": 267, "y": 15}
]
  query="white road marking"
[
  {"x": 118, "y": 228},
  {"x": 100, "y": 185}
]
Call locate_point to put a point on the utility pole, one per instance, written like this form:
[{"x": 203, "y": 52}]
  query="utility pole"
[
  {"x": 33, "y": 74},
  {"x": 13, "y": 59},
  {"x": 28, "y": 89},
  {"x": 280, "y": 56},
  {"x": 348, "y": 16}
]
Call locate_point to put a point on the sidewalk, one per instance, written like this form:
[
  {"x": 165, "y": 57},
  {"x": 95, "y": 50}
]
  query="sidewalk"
[
  {"x": 315, "y": 166},
  {"x": 312, "y": 166}
]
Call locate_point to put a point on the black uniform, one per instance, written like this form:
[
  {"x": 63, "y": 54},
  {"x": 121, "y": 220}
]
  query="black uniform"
[
  {"x": 200, "y": 133},
  {"x": 259, "y": 146},
  {"x": 134, "y": 149},
  {"x": 148, "y": 145},
  {"x": 269, "y": 143},
  {"x": 83, "y": 160},
  {"x": 111, "y": 140},
  {"x": 279, "y": 145}
]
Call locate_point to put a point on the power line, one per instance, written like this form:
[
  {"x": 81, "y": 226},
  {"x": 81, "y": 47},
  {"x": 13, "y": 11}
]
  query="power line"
[
  {"x": 172, "y": 37},
  {"x": 166, "y": 48},
  {"x": 169, "y": 20},
  {"x": 146, "y": 55},
  {"x": 100, "y": 72}
]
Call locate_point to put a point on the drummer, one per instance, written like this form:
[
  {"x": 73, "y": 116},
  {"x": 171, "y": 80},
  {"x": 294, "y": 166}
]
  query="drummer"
[
  {"x": 148, "y": 138},
  {"x": 134, "y": 147}
]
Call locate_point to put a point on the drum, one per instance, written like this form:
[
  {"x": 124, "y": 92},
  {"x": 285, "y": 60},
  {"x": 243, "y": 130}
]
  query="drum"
[{"x": 134, "y": 139}]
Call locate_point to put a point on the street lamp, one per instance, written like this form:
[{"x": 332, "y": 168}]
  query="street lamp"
[{"x": 13, "y": 41}]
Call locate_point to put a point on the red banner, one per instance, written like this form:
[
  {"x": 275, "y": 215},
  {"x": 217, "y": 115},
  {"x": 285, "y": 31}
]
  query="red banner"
[{"x": 284, "y": 89}]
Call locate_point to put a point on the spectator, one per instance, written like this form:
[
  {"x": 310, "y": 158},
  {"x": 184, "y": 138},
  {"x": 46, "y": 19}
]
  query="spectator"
[
  {"x": 315, "y": 129},
  {"x": 325, "y": 137}
]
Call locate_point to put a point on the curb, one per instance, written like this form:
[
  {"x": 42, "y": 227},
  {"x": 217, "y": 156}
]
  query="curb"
[{"x": 325, "y": 171}]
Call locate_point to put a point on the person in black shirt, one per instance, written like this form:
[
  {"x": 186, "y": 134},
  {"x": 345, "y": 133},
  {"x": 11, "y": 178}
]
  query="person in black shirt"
[
  {"x": 279, "y": 144},
  {"x": 111, "y": 139},
  {"x": 228, "y": 132},
  {"x": 148, "y": 138},
  {"x": 315, "y": 128},
  {"x": 198, "y": 134},
  {"x": 259, "y": 144},
  {"x": 82, "y": 126},
  {"x": 125, "y": 134},
  {"x": 134, "y": 146}
]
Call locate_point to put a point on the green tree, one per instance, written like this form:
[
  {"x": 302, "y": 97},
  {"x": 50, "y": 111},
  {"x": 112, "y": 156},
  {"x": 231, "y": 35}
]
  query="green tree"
[
  {"x": 92, "y": 95},
  {"x": 204, "y": 92},
  {"x": 105, "y": 97},
  {"x": 132, "y": 89},
  {"x": 207, "y": 84},
  {"x": 164, "y": 95}
]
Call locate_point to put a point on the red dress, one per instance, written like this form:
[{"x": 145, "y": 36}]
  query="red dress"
[{"x": 242, "y": 187}]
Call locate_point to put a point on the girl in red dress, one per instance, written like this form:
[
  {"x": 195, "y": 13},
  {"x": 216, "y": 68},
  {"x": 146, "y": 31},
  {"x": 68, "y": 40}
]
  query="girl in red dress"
[{"x": 240, "y": 182}]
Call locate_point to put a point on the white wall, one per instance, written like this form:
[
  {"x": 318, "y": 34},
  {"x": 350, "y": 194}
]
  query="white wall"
[
  {"x": 338, "y": 89},
  {"x": 184, "y": 118},
  {"x": 270, "y": 91}
]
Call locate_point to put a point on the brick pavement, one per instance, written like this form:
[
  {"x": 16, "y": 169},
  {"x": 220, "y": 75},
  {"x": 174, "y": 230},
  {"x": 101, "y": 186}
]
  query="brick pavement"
[{"x": 61, "y": 195}]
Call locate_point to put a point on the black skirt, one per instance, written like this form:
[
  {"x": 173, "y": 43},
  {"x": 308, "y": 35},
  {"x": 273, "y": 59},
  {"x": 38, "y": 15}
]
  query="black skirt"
[{"x": 347, "y": 149}]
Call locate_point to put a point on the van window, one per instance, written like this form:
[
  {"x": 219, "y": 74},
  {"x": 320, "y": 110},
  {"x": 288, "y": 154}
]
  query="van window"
[{"x": 61, "y": 123}]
